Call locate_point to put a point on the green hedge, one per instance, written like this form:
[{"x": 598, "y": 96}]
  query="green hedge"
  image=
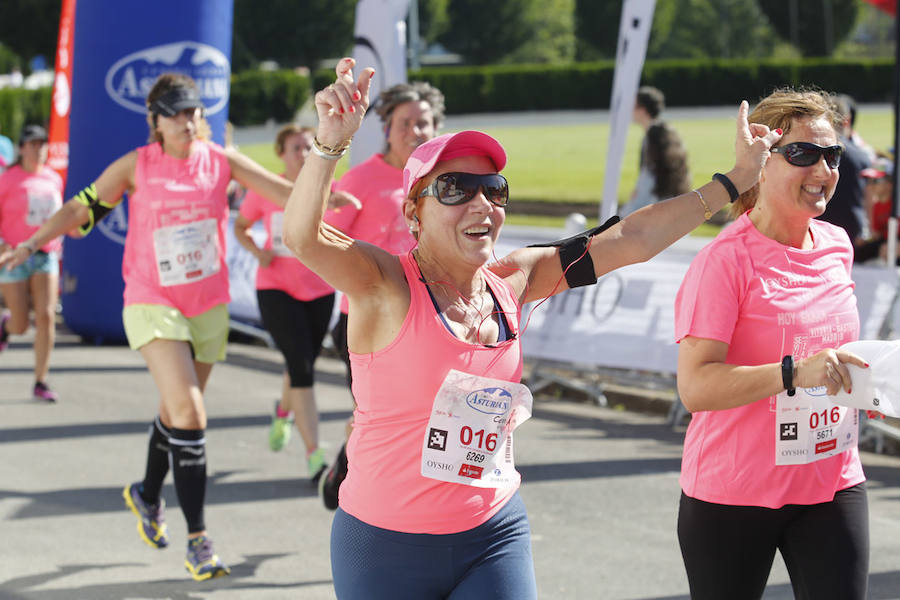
[
  {"x": 257, "y": 96},
  {"x": 19, "y": 106},
  {"x": 685, "y": 82}
]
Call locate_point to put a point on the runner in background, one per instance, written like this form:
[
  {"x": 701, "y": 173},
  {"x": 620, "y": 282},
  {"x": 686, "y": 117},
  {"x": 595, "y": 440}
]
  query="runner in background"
[
  {"x": 411, "y": 114},
  {"x": 760, "y": 313},
  {"x": 176, "y": 290},
  {"x": 30, "y": 192},
  {"x": 295, "y": 304},
  {"x": 430, "y": 506}
]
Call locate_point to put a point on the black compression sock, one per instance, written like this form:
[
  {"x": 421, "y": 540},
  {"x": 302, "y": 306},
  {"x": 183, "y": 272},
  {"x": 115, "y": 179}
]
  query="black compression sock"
[
  {"x": 188, "y": 452},
  {"x": 157, "y": 462}
]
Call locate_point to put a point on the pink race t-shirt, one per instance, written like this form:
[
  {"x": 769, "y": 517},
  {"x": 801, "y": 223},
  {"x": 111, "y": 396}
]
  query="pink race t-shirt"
[
  {"x": 175, "y": 246},
  {"x": 765, "y": 300},
  {"x": 379, "y": 188},
  {"x": 395, "y": 389},
  {"x": 285, "y": 272},
  {"x": 27, "y": 200}
]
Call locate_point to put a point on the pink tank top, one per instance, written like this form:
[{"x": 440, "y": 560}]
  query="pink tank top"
[
  {"x": 285, "y": 272},
  {"x": 394, "y": 389},
  {"x": 175, "y": 247},
  {"x": 27, "y": 200}
]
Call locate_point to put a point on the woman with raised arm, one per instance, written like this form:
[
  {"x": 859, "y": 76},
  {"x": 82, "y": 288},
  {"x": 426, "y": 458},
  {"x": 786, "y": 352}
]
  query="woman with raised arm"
[
  {"x": 762, "y": 311},
  {"x": 430, "y": 508},
  {"x": 176, "y": 289}
]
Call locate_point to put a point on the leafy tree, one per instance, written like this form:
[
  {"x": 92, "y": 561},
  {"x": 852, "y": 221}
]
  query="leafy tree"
[
  {"x": 291, "y": 32},
  {"x": 709, "y": 28},
  {"x": 554, "y": 36},
  {"x": 433, "y": 19},
  {"x": 29, "y": 27},
  {"x": 597, "y": 29},
  {"x": 814, "y": 27},
  {"x": 486, "y": 32}
]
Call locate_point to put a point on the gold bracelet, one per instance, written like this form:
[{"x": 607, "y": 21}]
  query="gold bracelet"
[
  {"x": 707, "y": 213},
  {"x": 337, "y": 150}
]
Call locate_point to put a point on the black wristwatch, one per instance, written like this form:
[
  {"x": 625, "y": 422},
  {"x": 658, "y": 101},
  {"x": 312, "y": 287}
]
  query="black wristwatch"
[{"x": 787, "y": 374}]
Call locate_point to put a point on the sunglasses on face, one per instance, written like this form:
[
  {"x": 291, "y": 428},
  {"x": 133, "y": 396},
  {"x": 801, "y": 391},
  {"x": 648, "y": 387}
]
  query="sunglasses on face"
[
  {"x": 458, "y": 188},
  {"x": 804, "y": 154}
]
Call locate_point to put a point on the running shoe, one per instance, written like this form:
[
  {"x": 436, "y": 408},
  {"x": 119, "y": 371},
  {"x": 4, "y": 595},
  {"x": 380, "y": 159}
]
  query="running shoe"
[
  {"x": 43, "y": 392},
  {"x": 4, "y": 335},
  {"x": 151, "y": 524},
  {"x": 202, "y": 562},
  {"x": 280, "y": 431},
  {"x": 315, "y": 464},
  {"x": 330, "y": 483}
]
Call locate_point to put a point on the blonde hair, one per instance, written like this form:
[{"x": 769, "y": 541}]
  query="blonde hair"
[
  {"x": 287, "y": 131},
  {"x": 780, "y": 110},
  {"x": 163, "y": 84}
]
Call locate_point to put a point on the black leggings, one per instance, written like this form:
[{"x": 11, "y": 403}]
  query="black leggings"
[
  {"x": 728, "y": 550},
  {"x": 298, "y": 328}
]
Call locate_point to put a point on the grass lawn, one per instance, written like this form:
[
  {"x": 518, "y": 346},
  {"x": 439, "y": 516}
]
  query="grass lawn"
[{"x": 567, "y": 163}]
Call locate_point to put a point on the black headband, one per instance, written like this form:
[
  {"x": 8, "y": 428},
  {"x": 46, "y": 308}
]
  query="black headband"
[{"x": 176, "y": 100}]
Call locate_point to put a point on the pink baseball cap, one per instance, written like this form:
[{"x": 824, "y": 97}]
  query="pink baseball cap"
[{"x": 447, "y": 146}]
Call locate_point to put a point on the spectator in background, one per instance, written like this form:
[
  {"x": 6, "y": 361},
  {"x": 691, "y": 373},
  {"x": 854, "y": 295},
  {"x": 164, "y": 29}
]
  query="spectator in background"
[
  {"x": 879, "y": 192},
  {"x": 854, "y": 135},
  {"x": 664, "y": 169},
  {"x": 845, "y": 209}
]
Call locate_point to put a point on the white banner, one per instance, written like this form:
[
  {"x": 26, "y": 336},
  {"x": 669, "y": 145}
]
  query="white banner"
[
  {"x": 634, "y": 31},
  {"x": 379, "y": 42},
  {"x": 627, "y": 320}
]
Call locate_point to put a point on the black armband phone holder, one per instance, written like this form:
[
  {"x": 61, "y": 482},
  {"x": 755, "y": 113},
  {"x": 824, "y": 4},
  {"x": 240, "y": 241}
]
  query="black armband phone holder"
[
  {"x": 97, "y": 209},
  {"x": 574, "y": 258}
]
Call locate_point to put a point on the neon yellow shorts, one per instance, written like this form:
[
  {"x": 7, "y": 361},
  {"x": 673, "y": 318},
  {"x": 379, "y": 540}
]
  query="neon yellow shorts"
[{"x": 207, "y": 332}]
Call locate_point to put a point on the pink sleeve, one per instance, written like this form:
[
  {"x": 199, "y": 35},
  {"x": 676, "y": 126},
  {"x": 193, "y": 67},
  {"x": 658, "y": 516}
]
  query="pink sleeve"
[
  {"x": 252, "y": 208},
  {"x": 708, "y": 302}
]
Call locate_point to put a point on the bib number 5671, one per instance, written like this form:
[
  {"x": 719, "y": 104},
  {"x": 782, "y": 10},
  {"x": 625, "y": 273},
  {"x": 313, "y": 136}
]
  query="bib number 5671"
[{"x": 486, "y": 442}]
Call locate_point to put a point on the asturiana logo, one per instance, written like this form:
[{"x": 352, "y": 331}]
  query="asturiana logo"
[
  {"x": 491, "y": 401},
  {"x": 129, "y": 80}
]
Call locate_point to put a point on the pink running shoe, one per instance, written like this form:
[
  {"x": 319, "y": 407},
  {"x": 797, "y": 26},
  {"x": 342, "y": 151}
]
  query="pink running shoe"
[{"x": 43, "y": 392}]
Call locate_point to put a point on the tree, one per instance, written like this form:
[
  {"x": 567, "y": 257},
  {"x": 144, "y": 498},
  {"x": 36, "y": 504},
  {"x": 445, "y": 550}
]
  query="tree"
[
  {"x": 486, "y": 32},
  {"x": 814, "y": 27},
  {"x": 596, "y": 29},
  {"x": 29, "y": 27},
  {"x": 554, "y": 36},
  {"x": 291, "y": 32}
]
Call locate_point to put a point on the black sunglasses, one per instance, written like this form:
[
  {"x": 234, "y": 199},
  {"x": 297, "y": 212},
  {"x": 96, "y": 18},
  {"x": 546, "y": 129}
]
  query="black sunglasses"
[
  {"x": 804, "y": 154},
  {"x": 458, "y": 188}
]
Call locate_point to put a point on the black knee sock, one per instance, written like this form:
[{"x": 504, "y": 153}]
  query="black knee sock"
[
  {"x": 188, "y": 451},
  {"x": 157, "y": 462}
]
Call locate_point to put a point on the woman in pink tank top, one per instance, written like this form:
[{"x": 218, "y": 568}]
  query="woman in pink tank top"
[
  {"x": 176, "y": 289},
  {"x": 30, "y": 192},
  {"x": 430, "y": 507}
]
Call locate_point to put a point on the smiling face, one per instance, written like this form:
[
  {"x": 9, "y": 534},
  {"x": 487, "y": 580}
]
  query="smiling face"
[
  {"x": 465, "y": 234},
  {"x": 803, "y": 192}
]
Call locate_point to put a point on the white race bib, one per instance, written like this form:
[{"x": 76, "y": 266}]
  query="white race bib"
[
  {"x": 186, "y": 253},
  {"x": 809, "y": 427},
  {"x": 276, "y": 227},
  {"x": 42, "y": 203},
  {"x": 469, "y": 435}
]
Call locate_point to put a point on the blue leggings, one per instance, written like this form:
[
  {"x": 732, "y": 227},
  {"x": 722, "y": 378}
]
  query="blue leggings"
[{"x": 492, "y": 560}]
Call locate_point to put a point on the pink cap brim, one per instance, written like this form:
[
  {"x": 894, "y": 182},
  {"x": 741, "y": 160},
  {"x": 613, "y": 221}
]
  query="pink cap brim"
[
  {"x": 447, "y": 146},
  {"x": 871, "y": 173}
]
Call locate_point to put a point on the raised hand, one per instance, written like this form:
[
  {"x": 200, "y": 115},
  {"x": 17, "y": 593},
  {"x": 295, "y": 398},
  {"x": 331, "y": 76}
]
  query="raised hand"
[
  {"x": 751, "y": 149},
  {"x": 342, "y": 105}
]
